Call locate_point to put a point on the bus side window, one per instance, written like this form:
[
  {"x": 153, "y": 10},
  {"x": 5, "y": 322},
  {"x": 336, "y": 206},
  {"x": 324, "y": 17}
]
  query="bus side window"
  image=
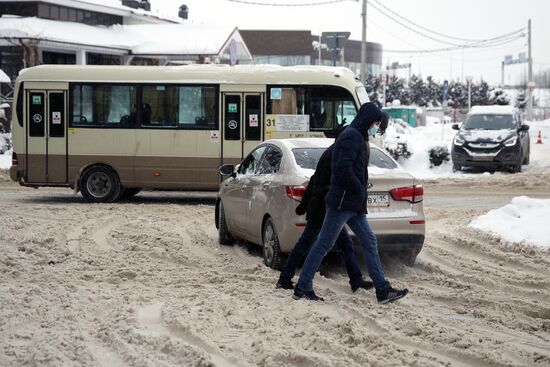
[{"x": 103, "y": 105}]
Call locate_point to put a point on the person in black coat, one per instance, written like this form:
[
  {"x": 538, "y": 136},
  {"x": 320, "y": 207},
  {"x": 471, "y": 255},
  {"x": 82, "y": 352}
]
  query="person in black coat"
[
  {"x": 313, "y": 205},
  {"x": 346, "y": 203}
]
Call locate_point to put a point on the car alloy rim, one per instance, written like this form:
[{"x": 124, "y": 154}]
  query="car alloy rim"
[
  {"x": 99, "y": 184},
  {"x": 269, "y": 242}
]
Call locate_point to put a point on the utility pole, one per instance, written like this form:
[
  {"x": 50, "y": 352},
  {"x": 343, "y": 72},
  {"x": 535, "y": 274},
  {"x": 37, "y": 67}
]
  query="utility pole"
[
  {"x": 364, "y": 44},
  {"x": 530, "y": 77}
]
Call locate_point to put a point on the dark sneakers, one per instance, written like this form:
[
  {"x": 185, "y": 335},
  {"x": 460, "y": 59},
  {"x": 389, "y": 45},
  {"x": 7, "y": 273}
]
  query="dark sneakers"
[
  {"x": 310, "y": 296},
  {"x": 390, "y": 295},
  {"x": 365, "y": 284},
  {"x": 284, "y": 284}
]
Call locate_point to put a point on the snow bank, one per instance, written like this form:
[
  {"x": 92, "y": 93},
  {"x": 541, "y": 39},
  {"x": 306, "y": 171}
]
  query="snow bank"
[
  {"x": 5, "y": 151},
  {"x": 523, "y": 220},
  {"x": 423, "y": 138}
]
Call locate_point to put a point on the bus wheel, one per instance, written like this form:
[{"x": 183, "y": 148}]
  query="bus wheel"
[
  {"x": 100, "y": 184},
  {"x": 129, "y": 193}
]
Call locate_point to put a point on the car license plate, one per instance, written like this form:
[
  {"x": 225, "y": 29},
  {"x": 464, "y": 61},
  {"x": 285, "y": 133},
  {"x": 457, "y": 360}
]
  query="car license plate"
[
  {"x": 483, "y": 158},
  {"x": 378, "y": 200}
]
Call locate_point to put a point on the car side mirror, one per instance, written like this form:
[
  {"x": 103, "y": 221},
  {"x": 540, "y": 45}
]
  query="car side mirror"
[
  {"x": 524, "y": 128},
  {"x": 227, "y": 170},
  {"x": 455, "y": 127}
]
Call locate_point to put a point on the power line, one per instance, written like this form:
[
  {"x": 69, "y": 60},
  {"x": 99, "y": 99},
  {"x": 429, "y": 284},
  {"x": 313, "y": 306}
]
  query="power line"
[
  {"x": 328, "y": 2},
  {"x": 446, "y": 49},
  {"x": 422, "y": 27},
  {"x": 477, "y": 43}
]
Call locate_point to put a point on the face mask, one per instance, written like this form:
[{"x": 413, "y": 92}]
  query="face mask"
[{"x": 373, "y": 131}]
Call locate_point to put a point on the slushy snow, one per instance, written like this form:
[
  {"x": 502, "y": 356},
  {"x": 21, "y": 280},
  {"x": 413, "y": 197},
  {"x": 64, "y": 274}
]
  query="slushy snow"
[{"x": 523, "y": 220}]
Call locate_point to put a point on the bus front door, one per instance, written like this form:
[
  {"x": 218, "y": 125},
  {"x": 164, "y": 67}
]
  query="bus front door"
[
  {"x": 242, "y": 125},
  {"x": 46, "y": 150}
]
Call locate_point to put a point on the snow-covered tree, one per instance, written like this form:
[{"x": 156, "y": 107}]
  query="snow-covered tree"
[
  {"x": 373, "y": 89},
  {"x": 480, "y": 94},
  {"x": 499, "y": 97}
]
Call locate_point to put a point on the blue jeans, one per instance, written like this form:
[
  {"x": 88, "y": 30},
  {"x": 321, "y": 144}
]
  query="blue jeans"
[
  {"x": 302, "y": 247},
  {"x": 333, "y": 224}
]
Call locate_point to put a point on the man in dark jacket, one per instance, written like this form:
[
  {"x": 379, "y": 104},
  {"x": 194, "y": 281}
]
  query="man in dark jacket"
[
  {"x": 313, "y": 205},
  {"x": 346, "y": 203}
]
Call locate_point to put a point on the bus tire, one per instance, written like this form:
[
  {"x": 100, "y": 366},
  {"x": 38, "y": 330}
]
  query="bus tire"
[
  {"x": 100, "y": 184},
  {"x": 129, "y": 193}
]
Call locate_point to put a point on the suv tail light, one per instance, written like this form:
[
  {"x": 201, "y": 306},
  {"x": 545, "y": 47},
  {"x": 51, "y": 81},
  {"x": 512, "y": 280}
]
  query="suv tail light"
[
  {"x": 295, "y": 192},
  {"x": 13, "y": 159},
  {"x": 412, "y": 194}
]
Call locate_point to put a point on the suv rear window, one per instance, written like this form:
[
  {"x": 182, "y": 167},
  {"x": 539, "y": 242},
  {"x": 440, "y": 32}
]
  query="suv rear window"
[{"x": 308, "y": 157}]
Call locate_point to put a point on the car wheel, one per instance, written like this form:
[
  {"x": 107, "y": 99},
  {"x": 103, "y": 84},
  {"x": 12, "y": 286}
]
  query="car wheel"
[
  {"x": 526, "y": 160},
  {"x": 224, "y": 237},
  {"x": 456, "y": 168},
  {"x": 409, "y": 258},
  {"x": 100, "y": 184},
  {"x": 272, "y": 251}
]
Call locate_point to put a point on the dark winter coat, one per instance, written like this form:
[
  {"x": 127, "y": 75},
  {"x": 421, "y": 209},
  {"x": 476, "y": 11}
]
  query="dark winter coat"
[
  {"x": 348, "y": 191},
  {"x": 313, "y": 201}
]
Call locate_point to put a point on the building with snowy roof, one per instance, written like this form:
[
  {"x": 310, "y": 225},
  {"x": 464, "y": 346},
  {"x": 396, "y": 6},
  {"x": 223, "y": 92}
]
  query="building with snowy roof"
[{"x": 107, "y": 32}]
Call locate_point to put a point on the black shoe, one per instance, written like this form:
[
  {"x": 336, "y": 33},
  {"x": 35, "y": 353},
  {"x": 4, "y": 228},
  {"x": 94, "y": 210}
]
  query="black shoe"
[
  {"x": 390, "y": 295},
  {"x": 365, "y": 284},
  {"x": 310, "y": 296},
  {"x": 284, "y": 284}
]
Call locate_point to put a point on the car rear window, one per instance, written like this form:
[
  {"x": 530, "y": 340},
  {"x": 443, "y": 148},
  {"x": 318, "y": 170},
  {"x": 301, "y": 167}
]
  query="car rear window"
[
  {"x": 380, "y": 159},
  {"x": 308, "y": 157}
]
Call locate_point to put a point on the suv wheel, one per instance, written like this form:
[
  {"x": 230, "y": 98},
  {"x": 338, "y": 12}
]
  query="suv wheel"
[
  {"x": 271, "y": 249},
  {"x": 526, "y": 160},
  {"x": 516, "y": 168},
  {"x": 456, "y": 168}
]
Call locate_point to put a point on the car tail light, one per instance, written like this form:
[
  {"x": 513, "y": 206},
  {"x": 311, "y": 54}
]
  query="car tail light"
[
  {"x": 412, "y": 194},
  {"x": 14, "y": 159},
  {"x": 295, "y": 192}
]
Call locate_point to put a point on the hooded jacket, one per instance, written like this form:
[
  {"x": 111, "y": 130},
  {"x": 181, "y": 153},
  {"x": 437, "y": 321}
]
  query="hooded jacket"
[
  {"x": 313, "y": 202},
  {"x": 348, "y": 191}
]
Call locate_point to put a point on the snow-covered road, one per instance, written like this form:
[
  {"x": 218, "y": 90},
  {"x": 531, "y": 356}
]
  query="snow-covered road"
[{"x": 145, "y": 283}]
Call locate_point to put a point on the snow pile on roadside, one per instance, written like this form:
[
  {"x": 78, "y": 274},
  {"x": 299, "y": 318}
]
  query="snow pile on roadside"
[
  {"x": 5, "y": 151},
  {"x": 421, "y": 139},
  {"x": 523, "y": 220}
]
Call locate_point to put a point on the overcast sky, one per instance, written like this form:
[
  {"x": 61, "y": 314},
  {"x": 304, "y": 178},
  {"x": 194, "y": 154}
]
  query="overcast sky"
[{"x": 468, "y": 19}]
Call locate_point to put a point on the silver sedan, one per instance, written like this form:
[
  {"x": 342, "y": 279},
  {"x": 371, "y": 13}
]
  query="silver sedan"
[{"x": 257, "y": 201}]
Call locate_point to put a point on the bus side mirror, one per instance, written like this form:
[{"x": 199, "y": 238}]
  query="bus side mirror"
[
  {"x": 227, "y": 170},
  {"x": 455, "y": 127}
]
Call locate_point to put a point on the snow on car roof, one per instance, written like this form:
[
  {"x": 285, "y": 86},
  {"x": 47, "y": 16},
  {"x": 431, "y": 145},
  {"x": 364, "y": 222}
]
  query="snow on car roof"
[
  {"x": 477, "y": 110},
  {"x": 303, "y": 142}
]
